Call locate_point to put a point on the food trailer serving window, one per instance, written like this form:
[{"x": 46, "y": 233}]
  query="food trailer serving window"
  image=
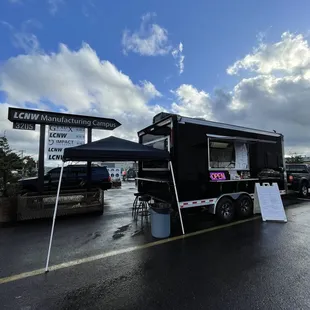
[{"x": 228, "y": 153}]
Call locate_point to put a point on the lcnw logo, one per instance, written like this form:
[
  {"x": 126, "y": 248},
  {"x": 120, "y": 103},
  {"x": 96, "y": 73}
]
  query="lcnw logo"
[
  {"x": 24, "y": 116},
  {"x": 57, "y": 135},
  {"x": 54, "y": 157}
]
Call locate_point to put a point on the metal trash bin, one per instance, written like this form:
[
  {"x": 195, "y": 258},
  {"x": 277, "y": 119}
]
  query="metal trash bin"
[{"x": 160, "y": 221}]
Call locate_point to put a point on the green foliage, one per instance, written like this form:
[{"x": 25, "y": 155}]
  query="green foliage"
[
  {"x": 295, "y": 159},
  {"x": 29, "y": 166},
  {"x": 9, "y": 160}
]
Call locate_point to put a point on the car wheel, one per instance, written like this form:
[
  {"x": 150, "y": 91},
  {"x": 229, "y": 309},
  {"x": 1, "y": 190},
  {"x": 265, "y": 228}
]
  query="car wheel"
[
  {"x": 244, "y": 206},
  {"x": 303, "y": 192},
  {"x": 225, "y": 210}
]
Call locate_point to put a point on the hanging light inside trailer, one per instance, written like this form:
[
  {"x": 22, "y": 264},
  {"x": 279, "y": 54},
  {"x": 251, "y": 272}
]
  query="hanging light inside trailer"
[{"x": 219, "y": 145}]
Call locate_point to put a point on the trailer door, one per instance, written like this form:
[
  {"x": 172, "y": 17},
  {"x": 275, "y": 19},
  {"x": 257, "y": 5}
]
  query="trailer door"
[{"x": 158, "y": 136}]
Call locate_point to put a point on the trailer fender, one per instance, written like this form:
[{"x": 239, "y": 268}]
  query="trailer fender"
[{"x": 233, "y": 196}]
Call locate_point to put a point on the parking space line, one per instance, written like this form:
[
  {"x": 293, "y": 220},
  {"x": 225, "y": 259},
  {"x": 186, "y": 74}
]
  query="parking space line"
[{"x": 118, "y": 252}]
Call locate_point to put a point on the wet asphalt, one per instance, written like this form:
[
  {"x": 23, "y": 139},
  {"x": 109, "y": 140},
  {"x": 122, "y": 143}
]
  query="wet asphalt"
[{"x": 253, "y": 265}]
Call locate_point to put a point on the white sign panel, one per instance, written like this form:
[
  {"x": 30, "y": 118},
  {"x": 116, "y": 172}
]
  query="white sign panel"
[
  {"x": 268, "y": 202},
  {"x": 242, "y": 159},
  {"x": 60, "y": 137},
  {"x": 66, "y": 129},
  {"x": 66, "y": 135},
  {"x": 65, "y": 142},
  {"x": 115, "y": 173}
]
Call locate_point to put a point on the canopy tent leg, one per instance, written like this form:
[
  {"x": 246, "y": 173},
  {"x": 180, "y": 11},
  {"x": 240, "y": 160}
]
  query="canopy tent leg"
[
  {"x": 176, "y": 196},
  {"x": 54, "y": 218}
]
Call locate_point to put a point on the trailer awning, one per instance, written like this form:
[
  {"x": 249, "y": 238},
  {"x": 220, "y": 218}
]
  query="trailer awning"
[
  {"x": 239, "y": 139},
  {"x": 114, "y": 149}
]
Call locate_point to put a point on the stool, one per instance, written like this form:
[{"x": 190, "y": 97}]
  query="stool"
[
  {"x": 142, "y": 208},
  {"x": 135, "y": 203}
]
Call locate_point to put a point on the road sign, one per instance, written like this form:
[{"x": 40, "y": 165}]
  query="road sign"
[{"x": 24, "y": 126}]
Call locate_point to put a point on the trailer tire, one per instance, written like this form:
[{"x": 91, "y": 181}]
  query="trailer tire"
[
  {"x": 225, "y": 210},
  {"x": 244, "y": 206}
]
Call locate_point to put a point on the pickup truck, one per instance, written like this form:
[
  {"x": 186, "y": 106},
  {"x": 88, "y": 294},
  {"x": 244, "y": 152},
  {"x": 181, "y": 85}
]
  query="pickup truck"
[
  {"x": 74, "y": 178},
  {"x": 298, "y": 178}
]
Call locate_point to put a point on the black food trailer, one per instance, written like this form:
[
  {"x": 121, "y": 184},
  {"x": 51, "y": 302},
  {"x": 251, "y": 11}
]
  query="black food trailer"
[{"x": 215, "y": 165}]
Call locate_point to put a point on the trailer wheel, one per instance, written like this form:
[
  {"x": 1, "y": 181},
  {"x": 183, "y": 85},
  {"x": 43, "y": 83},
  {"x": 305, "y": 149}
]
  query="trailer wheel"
[
  {"x": 244, "y": 206},
  {"x": 225, "y": 210}
]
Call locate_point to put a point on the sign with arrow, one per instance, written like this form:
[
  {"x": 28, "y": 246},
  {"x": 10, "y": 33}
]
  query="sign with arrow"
[{"x": 61, "y": 119}]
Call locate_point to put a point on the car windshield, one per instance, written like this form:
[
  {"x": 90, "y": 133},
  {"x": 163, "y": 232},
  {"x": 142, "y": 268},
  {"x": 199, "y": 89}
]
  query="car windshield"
[{"x": 297, "y": 168}]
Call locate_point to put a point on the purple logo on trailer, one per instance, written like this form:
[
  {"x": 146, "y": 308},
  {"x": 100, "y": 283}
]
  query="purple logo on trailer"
[{"x": 217, "y": 176}]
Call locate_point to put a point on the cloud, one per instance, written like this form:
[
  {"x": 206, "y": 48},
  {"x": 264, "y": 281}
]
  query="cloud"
[
  {"x": 27, "y": 141},
  {"x": 291, "y": 55},
  {"x": 149, "y": 40},
  {"x": 177, "y": 53},
  {"x": 273, "y": 93},
  {"x": 192, "y": 102},
  {"x": 277, "y": 93},
  {"x": 23, "y": 38},
  {"x": 275, "y": 96},
  {"x": 77, "y": 81},
  {"x": 54, "y": 5},
  {"x": 281, "y": 104}
]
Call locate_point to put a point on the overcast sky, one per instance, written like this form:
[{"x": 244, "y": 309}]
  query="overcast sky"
[{"x": 224, "y": 62}]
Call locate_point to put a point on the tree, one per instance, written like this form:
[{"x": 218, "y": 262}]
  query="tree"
[
  {"x": 9, "y": 161},
  {"x": 29, "y": 166},
  {"x": 295, "y": 159}
]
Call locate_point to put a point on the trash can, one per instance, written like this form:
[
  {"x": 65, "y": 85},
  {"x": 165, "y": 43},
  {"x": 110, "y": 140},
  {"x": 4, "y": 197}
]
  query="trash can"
[{"x": 160, "y": 222}]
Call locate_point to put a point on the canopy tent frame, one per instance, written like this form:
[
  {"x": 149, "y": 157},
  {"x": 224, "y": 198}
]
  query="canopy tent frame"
[{"x": 57, "y": 202}]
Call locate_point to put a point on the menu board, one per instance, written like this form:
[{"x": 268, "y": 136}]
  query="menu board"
[
  {"x": 268, "y": 202},
  {"x": 242, "y": 157}
]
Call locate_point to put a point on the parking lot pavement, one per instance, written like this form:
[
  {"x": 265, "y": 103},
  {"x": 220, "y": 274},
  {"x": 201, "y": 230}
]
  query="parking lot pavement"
[
  {"x": 23, "y": 247},
  {"x": 253, "y": 265}
]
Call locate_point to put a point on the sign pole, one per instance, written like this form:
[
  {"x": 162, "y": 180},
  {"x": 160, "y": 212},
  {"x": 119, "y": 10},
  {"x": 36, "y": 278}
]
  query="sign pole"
[
  {"x": 41, "y": 160},
  {"x": 89, "y": 170}
]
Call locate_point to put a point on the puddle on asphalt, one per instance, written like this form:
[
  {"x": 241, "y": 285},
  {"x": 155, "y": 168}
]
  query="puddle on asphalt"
[
  {"x": 123, "y": 228},
  {"x": 119, "y": 233},
  {"x": 137, "y": 232}
]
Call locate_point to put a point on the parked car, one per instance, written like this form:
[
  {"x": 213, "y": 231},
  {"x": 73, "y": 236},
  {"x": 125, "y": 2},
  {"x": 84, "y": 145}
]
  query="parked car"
[
  {"x": 298, "y": 178},
  {"x": 131, "y": 174},
  {"x": 74, "y": 178}
]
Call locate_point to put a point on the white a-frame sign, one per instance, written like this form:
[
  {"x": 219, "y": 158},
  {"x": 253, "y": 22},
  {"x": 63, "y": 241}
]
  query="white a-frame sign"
[{"x": 268, "y": 202}]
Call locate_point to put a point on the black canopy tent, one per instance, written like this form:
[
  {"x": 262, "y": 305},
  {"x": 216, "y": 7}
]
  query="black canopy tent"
[
  {"x": 114, "y": 149},
  {"x": 111, "y": 149}
]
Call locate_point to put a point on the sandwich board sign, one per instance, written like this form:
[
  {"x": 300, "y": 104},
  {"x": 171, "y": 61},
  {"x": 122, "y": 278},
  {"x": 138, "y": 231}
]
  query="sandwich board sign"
[{"x": 268, "y": 202}]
